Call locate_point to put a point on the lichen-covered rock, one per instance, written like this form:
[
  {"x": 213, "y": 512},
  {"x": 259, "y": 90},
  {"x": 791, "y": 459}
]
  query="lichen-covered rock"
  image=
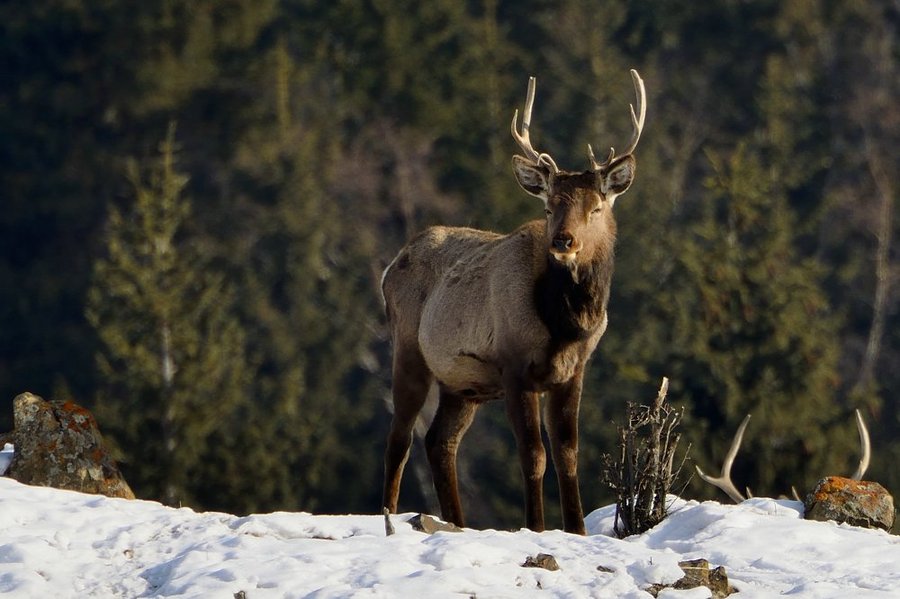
[
  {"x": 58, "y": 444},
  {"x": 856, "y": 502}
]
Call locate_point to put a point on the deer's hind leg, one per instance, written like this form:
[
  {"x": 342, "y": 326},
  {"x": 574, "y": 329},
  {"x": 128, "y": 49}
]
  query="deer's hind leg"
[{"x": 410, "y": 384}]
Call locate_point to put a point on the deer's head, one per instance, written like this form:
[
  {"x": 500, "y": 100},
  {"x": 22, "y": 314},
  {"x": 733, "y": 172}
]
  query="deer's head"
[{"x": 578, "y": 204}]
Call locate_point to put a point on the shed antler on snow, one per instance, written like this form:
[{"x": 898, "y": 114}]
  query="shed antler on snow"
[{"x": 724, "y": 482}]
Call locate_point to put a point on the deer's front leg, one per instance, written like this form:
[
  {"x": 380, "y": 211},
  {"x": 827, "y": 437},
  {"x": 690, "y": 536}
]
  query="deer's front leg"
[
  {"x": 562, "y": 428},
  {"x": 523, "y": 409}
]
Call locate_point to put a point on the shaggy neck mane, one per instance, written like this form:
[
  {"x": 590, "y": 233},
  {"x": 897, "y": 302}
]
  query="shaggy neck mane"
[{"x": 572, "y": 310}]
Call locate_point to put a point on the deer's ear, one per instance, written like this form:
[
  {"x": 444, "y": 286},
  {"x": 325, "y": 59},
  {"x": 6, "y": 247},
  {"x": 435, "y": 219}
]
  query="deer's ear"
[
  {"x": 616, "y": 178},
  {"x": 535, "y": 179}
]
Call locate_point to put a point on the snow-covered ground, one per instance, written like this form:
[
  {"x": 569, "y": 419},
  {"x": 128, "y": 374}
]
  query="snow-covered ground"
[{"x": 58, "y": 544}]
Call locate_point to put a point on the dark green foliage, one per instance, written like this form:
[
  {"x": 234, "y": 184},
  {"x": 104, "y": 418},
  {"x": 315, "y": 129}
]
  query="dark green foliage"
[
  {"x": 759, "y": 334},
  {"x": 173, "y": 359},
  {"x": 755, "y": 263}
]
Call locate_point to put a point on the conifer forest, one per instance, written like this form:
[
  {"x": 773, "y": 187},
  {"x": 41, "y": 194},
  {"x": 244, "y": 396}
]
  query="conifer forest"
[{"x": 199, "y": 197}]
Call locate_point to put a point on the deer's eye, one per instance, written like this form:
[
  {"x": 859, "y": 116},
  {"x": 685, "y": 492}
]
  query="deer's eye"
[{"x": 597, "y": 210}]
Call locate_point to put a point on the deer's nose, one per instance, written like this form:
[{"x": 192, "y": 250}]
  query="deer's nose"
[{"x": 562, "y": 242}]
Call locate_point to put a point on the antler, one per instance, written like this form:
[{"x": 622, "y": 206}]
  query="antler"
[
  {"x": 724, "y": 483},
  {"x": 724, "y": 479},
  {"x": 524, "y": 140},
  {"x": 637, "y": 122},
  {"x": 865, "y": 445}
]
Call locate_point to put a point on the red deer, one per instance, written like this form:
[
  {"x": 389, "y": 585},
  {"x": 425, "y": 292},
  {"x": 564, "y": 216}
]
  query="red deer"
[{"x": 490, "y": 316}]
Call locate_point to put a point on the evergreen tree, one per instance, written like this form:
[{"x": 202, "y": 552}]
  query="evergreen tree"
[
  {"x": 172, "y": 362},
  {"x": 751, "y": 331},
  {"x": 858, "y": 232},
  {"x": 830, "y": 77},
  {"x": 303, "y": 265}
]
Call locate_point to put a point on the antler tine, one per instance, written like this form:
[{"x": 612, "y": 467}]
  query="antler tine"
[
  {"x": 723, "y": 481},
  {"x": 866, "y": 446},
  {"x": 524, "y": 139},
  {"x": 596, "y": 165},
  {"x": 637, "y": 123}
]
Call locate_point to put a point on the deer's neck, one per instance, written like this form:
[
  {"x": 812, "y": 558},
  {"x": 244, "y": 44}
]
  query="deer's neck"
[{"x": 572, "y": 304}]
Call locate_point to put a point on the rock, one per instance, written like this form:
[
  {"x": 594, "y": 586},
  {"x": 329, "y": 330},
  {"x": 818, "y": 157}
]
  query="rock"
[
  {"x": 856, "y": 502},
  {"x": 541, "y": 560},
  {"x": 430, "y": 524},
  {"x": 718, "y": 583},
  {"x": 58, "y": 444},
  {"x": 388, "y": 526},
  {"x": 6, "y": 456},
  {"x": 698, "y": 574}
]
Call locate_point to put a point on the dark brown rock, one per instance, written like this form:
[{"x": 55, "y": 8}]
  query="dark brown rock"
[
  {"x": 58, "y": 444},
  {"x": 430, "y": 524},
  {"x": 718, "y": 583},
  {"x": 698, "y": 574},
  {"x": 541, "y": 560},
  {"x": 856, "y": 502}
]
